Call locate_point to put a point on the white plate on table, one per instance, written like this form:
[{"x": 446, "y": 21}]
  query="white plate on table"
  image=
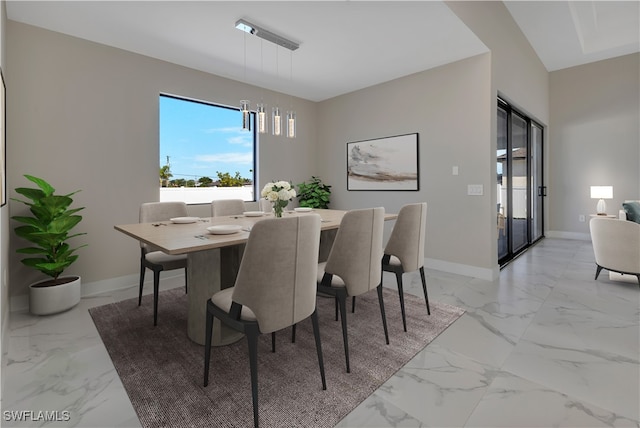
[
  {"x": 303, "y": 209},
  {"x": 184, "y": 220},
  {"x": 253, "y": 213},
  {"x": 224, "y": 229}
]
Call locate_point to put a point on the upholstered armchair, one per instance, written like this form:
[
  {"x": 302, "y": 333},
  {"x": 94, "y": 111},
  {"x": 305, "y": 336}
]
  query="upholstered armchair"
[{"x": 616, "y": 245}]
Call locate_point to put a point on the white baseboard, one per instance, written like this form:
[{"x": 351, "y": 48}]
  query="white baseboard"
[
  {"x": 21, "y": 302},
  {"x": 460, "y": 269},
  {"x": 568, "y": 235}
]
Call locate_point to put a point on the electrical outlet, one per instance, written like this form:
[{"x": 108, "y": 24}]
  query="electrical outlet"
[
  {"x": 475, "y": 189},
  {"x": 581, "y": 218}
]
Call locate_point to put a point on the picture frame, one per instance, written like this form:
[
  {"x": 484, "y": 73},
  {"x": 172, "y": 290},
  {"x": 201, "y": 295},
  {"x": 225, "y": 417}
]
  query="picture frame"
[
  {"x": 3, "y": 141},
  {"x": 387, "y": 163}
]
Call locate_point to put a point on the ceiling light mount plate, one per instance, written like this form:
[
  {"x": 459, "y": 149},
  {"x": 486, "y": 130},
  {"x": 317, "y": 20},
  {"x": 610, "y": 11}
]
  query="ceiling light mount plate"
[{"x": 248, "y": 27}]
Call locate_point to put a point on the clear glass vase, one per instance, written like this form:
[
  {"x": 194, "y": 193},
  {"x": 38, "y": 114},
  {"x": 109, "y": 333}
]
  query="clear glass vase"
[{"x": 278, "y": 207}]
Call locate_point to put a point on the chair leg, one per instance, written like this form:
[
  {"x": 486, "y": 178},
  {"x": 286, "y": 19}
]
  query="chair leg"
[
  {"x": 273, "y": 342},
  {"x": 316, "y": 334},
  {"x": 156, "y": 291},
  {"x": 341, "y": 298},
  {"x": 598, "y": 269},
  {"x": 336, "y": 300},
  {"x": 207, "y": 345},
  {"x": 424, "y": 288},
  {"x": 293, "y": 333},
  {"x": 401, "y": 295},
  {"x": 353, "y": 304},
  {"x": 142, "y": 272},
  {"x": 384, "y": 317},
  {"x": 252, "y": 338}
]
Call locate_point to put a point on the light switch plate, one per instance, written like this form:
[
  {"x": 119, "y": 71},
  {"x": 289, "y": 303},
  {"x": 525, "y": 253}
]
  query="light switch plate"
[{"x": 475, "y": 190}]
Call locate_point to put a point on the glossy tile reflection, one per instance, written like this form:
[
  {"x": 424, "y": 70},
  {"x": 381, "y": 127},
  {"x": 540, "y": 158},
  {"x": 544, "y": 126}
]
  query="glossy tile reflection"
[{"x": 544, "y": 345}]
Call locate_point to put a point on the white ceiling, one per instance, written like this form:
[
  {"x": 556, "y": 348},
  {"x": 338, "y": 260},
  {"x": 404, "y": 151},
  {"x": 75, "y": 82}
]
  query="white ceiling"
[{"x": 344, "y": 45}]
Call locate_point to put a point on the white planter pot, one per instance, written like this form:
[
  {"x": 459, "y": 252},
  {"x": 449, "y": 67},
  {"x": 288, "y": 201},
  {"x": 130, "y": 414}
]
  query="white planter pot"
[{"x": 50, "y": 299}]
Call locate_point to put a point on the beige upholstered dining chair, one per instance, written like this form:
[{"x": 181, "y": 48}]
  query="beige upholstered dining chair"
[
  {"x": 222, "y": 207},
  {"x": 155, "y": 260},
  {"x": 405, "y": 249},
  {"x": 354, "y": 264},
  {"x": 275, "y": 288}
]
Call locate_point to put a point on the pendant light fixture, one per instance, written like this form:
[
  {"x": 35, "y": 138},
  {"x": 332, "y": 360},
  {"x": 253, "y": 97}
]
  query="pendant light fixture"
[
  {"x": 245, "y": 104},
  {"x": 261, "y": 113},
  {"x": 276, "y": 116},
  {"x": 291, "y": 115}
]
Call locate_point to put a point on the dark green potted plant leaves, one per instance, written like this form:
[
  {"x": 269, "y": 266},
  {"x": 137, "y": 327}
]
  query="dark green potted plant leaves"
[
  {"x": 48, "y": 229},
  {"x": 314, "y": 193}
]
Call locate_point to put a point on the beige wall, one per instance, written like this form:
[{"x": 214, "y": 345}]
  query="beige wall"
[
  {"x": 454, "y": 110},
  {"x": 595, "y": 139},
  {"x": 85, "y": 116},
  {"x": 450, "y": 109}
]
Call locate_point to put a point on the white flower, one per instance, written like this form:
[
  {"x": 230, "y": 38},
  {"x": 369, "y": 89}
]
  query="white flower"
[
  {"x": 283, "y": 185},
  {"x": 278, "y": 191},
  {"x": 283, "y": 195}
]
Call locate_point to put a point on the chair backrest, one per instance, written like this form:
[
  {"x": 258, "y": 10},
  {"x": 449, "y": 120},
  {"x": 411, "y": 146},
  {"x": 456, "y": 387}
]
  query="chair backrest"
[
  {"x": 616, "y": 244},
  {"x": 161, "y": 211},
  {"x": 278, "y": 272},
  {"x": 224, "y": 207},
  {"x": 356, "y": 253},
  {"x": 408, "y": 236}
]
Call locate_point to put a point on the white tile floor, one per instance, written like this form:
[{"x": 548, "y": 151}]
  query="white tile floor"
[{"x": 543, "y": 346}]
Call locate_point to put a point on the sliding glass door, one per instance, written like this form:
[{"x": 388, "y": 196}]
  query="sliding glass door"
[{"x": 519, "y": 180}]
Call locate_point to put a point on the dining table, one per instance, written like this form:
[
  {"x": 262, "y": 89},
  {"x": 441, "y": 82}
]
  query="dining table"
[{"x": 213, "y": 258}]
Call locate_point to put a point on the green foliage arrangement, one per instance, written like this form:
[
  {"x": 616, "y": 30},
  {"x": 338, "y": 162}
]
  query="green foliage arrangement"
[
  {"x": 314, "y": 193},
  {"x": 48, "y": 228},
  {"x": 226, "y": 180}
]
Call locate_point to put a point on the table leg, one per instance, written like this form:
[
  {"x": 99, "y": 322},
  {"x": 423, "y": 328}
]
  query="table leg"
[{"x": 209, "y": 272}]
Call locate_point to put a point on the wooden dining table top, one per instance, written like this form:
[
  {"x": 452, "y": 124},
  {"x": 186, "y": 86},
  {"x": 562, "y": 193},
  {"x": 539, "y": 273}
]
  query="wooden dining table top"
[{"x": 184, "y": 238}]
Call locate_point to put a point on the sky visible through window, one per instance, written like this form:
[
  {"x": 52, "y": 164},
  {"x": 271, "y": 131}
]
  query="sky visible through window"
[{"x": 200, "y": 139}]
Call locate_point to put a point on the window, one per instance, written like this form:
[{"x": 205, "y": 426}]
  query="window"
[{"x": 204, "y": 154}]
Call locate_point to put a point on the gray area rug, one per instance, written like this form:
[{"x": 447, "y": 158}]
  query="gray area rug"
[{"x": 162, "y": 370}]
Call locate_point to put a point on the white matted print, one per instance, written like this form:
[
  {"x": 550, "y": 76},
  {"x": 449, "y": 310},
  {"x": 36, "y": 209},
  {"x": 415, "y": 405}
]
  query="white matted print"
[{"x": 389, "y": 163}]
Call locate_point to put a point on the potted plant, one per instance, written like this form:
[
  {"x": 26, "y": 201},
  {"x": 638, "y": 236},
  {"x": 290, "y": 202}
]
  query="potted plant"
[
  {"x": 314, "y": 193},
  {"x": 48, "y": 229}
]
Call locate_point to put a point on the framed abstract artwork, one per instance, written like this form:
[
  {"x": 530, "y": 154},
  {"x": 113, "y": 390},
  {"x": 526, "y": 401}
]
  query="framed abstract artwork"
[{"x": 389, "y": 163}]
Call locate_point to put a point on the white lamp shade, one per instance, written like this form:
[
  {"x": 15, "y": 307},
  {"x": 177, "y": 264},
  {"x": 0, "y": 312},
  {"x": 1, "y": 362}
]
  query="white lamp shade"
[{"x": 601, "y": 192}]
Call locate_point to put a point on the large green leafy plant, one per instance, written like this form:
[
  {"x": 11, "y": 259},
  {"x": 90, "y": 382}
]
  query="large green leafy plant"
[
  {"x": 314, "y": 193},
  {"x": 48, "y": 229}
]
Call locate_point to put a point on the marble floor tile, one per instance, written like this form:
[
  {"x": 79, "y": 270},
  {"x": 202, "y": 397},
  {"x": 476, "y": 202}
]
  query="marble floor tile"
[
  {"x": 596, "y": 376},
  {"x": 375, "y": 412},
  {"x": 513, "y": 402},
  {"x": 544, "y": 345},
  {"x": 438, "y": 387}
]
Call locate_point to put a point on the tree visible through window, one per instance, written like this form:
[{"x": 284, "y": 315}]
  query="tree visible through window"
[{"x": 204, "y": 154}]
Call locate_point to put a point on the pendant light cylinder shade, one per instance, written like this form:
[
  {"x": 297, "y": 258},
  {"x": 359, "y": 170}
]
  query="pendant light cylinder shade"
[
  {"x": 262, "y": 118},
  {"x": 277, "y": 122},
  {"x": 246, "y": 115},
  {"x": 291, "y": 124}
]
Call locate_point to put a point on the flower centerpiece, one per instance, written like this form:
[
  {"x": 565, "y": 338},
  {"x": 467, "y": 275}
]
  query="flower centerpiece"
[{"x": 279, "y": 193}]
